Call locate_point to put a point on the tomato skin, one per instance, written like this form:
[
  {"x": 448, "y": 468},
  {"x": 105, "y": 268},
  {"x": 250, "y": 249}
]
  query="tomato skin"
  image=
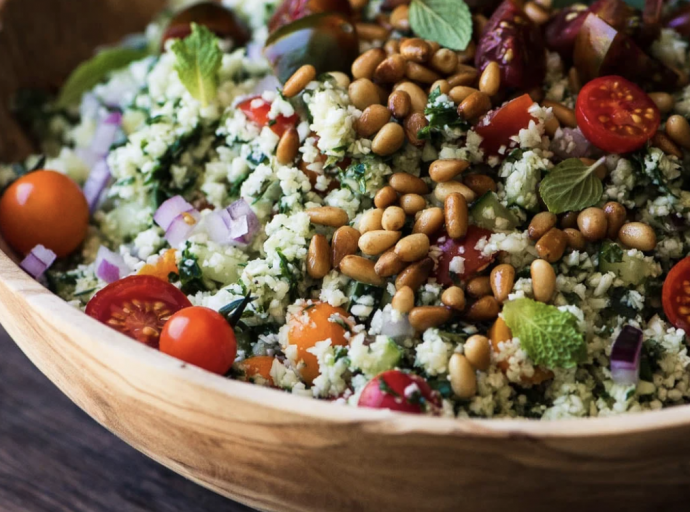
[
  {"x": 212, "y": 15},
  {"x": 201, "y": 337},
  {"x": 309, "y": 327},
  {"x": 561, "y": 31},
  {"x": 257, "y": 366},
  {"x": 46, "y": 208},
  {"x": 387, "y": 391},
  {"x": 676, "y": 295},
  {"x": 257, "y": 109},
  {"x": 603, "y": 104},
  {"x": 149, "y": 301},
  {"x": 474, "y": 260},
  {"x": 498, "y": 126}
]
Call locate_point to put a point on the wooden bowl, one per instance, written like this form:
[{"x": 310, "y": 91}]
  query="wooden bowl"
[{"x": 276, "y": 451}]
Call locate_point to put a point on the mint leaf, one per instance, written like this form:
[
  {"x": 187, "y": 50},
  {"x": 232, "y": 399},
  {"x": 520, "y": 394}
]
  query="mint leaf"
[
  {"x": 92, "y": 72},
  {"x": 550, "y": 337},
  {"x": 571, "y": 186},
  {"x": 198, "y": 60},
  {"x": 448, "y": 22}
]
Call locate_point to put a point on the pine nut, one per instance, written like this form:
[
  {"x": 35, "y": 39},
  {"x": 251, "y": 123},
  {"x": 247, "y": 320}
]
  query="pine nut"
[
  {"x": 371, "y": 220},
  {"x": 413, "y": 123},
  {"x": 576, "y": 240},
  {"x": 466, "y": 78},
  {"x": 536, "y": 93},
  {"x": 405, "y": 183},
  {"x": 371, "y": 32},
  {"x": 462, "y": 376},
  {"x": 415, "y": 50},
  {"x": 480, "y": 184},
  {"x": 663, "y": 100},
  {"x": 444, "y": 61},
  {"x": 442, "y": 85},
  {"x": 454, "y": 297},
  {"x": 443, "y": 190},
  {"x": 385, "y": 197},
  {"x": 425, "y": 317},
  {"x": 479, "y": 22},
  {"x": 467, "y": 55},
  {"x": 372, "y": 120},
  {"x": 551, "y": 246},
  {"x": 365, "y": 65},
  {"x": 328, "y": 216},
  {"x": 593, "y": 224},
  {"x": 389, "y": 264},
  {"x": 392, "y": 46},
  {"x": 456, "y": 216},
  {"x": 551, "y": 126},
  {"x": 434, "y": 45},
  {"x": 638, "y": 235},
  {"x": 391, "y": 70},
  {"x": 574, "y": 81},
  {"x": 569, "y": 220},
  {"x": 400, "y": 18},
  {"x": 541, "y": 223},
  {"x": 299, "y": 80},
  {"x": 502, "y": 280},
  {"x": 478, "y": 352},
  {"x": 388, "y": 140},
  {"x": 419, "y": 73},
  {"x": 490, "y": 79},
  {"x": 345, "y": 242},
  {"x": 664, "y": 143},
  {"x": 363, "y": 93},
  {"x": 399, "y": 104},
  {"x": 446, "y": 170},
  {"x": 416, "y": 275},
  {"x": 418, "y": 98},
  {"x": 288, "y": 147},
  {"x": 499, "y": 333},
  {"x": 429, "y": 222},
  {"x": 678, "y": 129},
  {"x": 318, "y": 257},
  {"x": 536, "y": 13},
  {"x": 412, "y": 203},
  {"x": 461, "y": 92},
  {"x": 377, "y": 242},
  {"x": 479, "y": 287},
  {"x": 358, "y": 5},
  {"x": 474, "y": 106},
  {"x": 403, "y": 300},
  {"x": 543, "y": 280},
  {"x": 341, "y": 79},
  {"x": 485, "y": 309},
  {"x": 360, "y": 269},
  {"x": 615, "y": 218},
  {"x": 413, "y": 247},
  {"x": 393, "y": 218},
  {"x": 565, "y": 115}
]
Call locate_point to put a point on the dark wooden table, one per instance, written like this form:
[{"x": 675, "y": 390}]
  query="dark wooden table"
[{"x": 54, "y": 458}]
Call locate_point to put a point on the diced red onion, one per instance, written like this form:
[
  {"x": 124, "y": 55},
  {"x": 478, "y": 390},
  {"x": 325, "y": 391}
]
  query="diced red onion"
[
  {"x": 105, "y": 135},
  {"x": 625, "y": 356},
  {"x": 110, "y": 266},
  {"x": 96, "y": 184},
  {"x": 38, "y": 261},
  {"x": 181, "y": 228},
  {"x": 170, "y": 210},
  {"x": 240, "y": 209},
  {"x": 399, "y": 328},
  {"x": 571, "y": 143},
  {"x": 267, "y": 83},
  {"x": 237, "y": 223}
]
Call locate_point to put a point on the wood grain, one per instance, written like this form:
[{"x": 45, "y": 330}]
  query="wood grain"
[{"x": 276, "y": 451}]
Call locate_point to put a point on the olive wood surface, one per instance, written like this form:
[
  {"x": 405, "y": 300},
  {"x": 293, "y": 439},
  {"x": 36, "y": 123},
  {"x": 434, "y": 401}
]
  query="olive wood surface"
[{"x": 280, "y": 452}]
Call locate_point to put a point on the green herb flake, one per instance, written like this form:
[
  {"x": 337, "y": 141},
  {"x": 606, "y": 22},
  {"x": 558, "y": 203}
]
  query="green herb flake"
[
  {"x": 550, "y": 337},
  {"x": 198, "y": 60},
  {"x": 448, "y": 22},
  {"x": 571, "y": 186}
]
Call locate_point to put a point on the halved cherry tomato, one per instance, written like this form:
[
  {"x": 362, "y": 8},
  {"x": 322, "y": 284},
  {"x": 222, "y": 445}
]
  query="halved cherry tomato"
[
  {"x": 293, "y": 10},
  {"x": 498, "y": 126},
  {"x": 212, "y": 15},
  {"x": 399, "y": 391},
  {"x": 257, "y": 366},
  {"x": 616, "y": 115},
  {"x": 317, "y": 322},
  {"x": 44, "y": 208},
  {"x": 202, "y": 337},
  {"x": 166, "y": 265},
  {"x": 138, "y": 306},
  {"x": 676, "y": 295},
  {"x": 465, "y": 248},
  {"x": 257, "y": 109}
]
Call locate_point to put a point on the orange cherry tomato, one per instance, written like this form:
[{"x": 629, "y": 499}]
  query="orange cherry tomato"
[
  {"x": 257, "y": 109},
  {"x": 313, "y": 324},
  {"x": 498, "y": 126},
  {"x": 138, "y": 306},
  {"x": 676, "y": 295},
  {"x": 202, "y": 337},
  {"x": 162, "y": 269},
  {"x": 257, "y": 366},
  {"x": 44, "y": 208}
]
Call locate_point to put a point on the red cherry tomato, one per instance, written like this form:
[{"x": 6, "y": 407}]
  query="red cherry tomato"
[
  {"x": 498, "y": 126},
  {"x": 257, "y": 109},
  {"x": 399, "y": 391},
  {"x": 202, "y": 337},
  {"x": 138, "y": 306},
  {"x": 616, "y": 115},
  {"x": 562, "y": 29},
  {"x": 465, "y": 248},
  {"x": 676, "y": 295},
  {"x": 293, "y": 10}
]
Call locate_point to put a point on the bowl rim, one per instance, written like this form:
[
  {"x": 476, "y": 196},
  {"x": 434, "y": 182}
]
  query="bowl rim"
[{"x": 50, "y": 305}]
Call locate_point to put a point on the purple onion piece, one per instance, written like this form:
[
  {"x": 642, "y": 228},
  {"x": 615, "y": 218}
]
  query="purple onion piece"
[
  {"x": 571, "y": 143},
  {"x": 625, "y": 356},
  {"x": 267, "y": 83},
  {"x": 171, "y": 210},
  {"x": 239, "y": 209},
  {"x": 110, "y": 266},
  {"x": 181, "y": 228},
  {"x": 398, "y": 329},
  {"x": 38, "y": 261},
  {"x": 96, "y": 184}
]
